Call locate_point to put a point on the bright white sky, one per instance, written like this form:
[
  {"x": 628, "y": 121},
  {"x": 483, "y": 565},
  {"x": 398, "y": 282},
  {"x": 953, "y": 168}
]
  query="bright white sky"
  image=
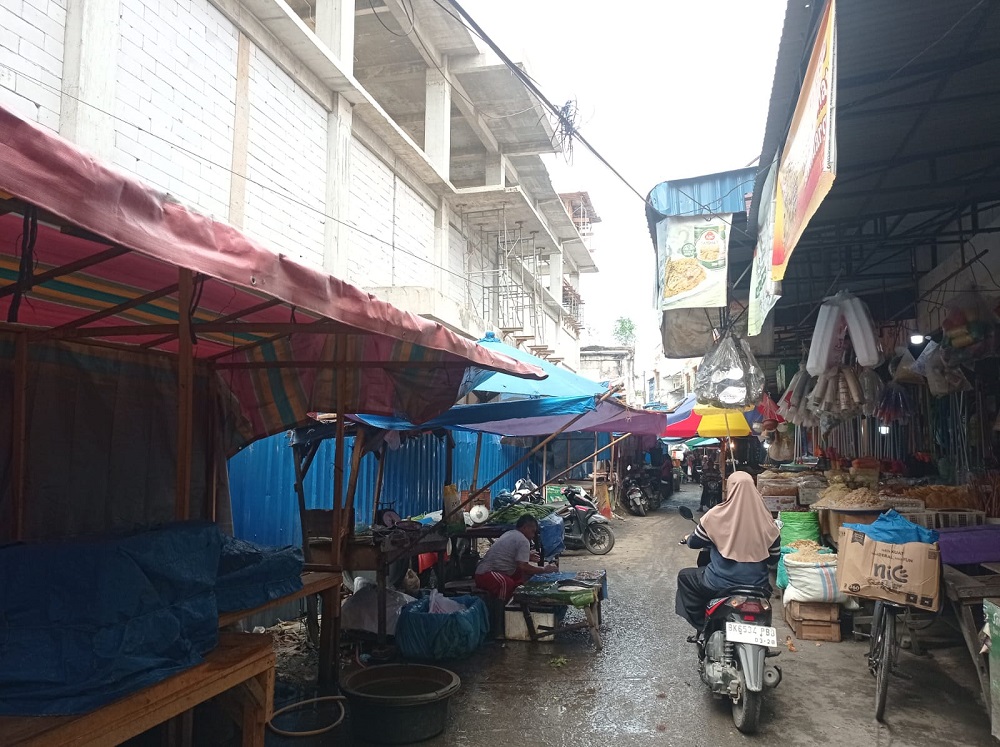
[{"x": 667, "y": 89}]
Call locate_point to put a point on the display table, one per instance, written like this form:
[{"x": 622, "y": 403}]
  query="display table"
[
  {"x": 552, "y": 591},
  {"x": 327, "y": 586},
  {"x": 966, "y": 594},
  {"x": 240, "y": 671}
]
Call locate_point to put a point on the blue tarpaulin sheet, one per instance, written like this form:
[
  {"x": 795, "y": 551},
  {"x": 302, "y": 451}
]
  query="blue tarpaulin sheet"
[
  {"x": 469, "y": 415},
  {"x": 893, "y": 528},
  {"x": 251, "y": 575},
  {"x": 84, "y": 623}
]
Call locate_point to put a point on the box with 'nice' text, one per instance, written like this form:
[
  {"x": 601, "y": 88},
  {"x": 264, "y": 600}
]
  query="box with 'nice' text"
[{"x": 908, "y": 574}]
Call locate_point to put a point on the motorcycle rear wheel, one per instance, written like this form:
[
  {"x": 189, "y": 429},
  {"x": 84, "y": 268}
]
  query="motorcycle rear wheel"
[
  {"x": 598, "y": 539},
  {"x": 746, "y": 712}
]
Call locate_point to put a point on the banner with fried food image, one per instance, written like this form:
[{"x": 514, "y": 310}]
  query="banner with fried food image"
[{"x": 692, "y": 261}]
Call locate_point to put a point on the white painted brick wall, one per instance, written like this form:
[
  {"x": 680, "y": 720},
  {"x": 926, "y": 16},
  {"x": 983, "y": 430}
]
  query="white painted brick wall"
[
  {"x": 371, "y": 259},
  {"x": 31, "y": 58},
  {"x": 286, "y": 164},
  {"x": 176, "y": 99}
]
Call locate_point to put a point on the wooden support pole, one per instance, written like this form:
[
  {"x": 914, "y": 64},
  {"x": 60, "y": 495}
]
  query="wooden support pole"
[
  {"x": 545, "y": 462},
  {"x": 475, "y": 462},
  {"x": 378, "y": 484},
  {"x": 338, "y": 473},
  {"x": 185, "y": 391},
  {"x": 449, "y": 459},
  {"x": 19, "y": 434},
  {"x": 352, "y": 484},
  {"x": 593, "y": 474}
]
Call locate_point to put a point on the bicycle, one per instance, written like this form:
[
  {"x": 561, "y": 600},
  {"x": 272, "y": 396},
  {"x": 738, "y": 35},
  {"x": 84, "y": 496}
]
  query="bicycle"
[{"x": 883, "y": 651}]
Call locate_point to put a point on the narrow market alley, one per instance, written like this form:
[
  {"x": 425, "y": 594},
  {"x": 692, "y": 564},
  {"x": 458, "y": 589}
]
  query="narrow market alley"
[{"x": 644, "y": 689}]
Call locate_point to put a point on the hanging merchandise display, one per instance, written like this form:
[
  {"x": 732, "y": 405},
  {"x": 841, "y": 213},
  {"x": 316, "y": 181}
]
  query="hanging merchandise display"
[
  {"x": 969, "y": 329},
  {"x": 871, "y": 387},
  {"x": 838, "y": 314},
  {"x": 692, "y": 261},
  {"x": 729, "y": 376},
  {"x": 895, "y": 405}
]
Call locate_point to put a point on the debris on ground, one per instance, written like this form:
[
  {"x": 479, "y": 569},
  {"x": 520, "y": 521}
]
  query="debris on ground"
[
  {"x": 790, "y": 645},
  {"x": 559, "y": 661}
]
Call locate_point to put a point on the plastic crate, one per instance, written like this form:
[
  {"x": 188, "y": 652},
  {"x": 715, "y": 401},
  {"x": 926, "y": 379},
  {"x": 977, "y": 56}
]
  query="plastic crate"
[
  {"x": 926, "y": 519},
  {"x": 957, "y": 518},
  {"x": 902, "y": 504}
]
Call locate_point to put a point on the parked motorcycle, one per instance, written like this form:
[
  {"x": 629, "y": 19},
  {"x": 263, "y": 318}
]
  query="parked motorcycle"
[
  {"x": 633, "y": 495},
  {"x": 583, "y": 525},
  {"x": 733, "y": 647},
  {"x": 525, "y": 491}
]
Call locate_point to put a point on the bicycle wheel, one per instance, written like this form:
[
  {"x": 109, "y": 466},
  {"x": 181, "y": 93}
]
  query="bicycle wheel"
[{"x": 887, "y": 647}]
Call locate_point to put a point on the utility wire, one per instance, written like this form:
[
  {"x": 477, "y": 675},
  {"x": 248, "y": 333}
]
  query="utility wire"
[{"x": 267, "y": 187}]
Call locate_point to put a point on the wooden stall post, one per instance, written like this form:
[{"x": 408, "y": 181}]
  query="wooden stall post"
[
  {"x": 185, "y": 394},
  {"x": 338, "y": 479},
  {"x": 352, "y": 484},
  {"x": 19, "y": 436},
  {"x": 545, "y": 462},
  {"x": 378, "y": 485},
  {"x": 593, "y": 475},
  {"x": 475, "y": 462}
]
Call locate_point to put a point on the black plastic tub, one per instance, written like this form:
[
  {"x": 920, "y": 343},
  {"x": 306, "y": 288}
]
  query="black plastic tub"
[{"x": 399, "y": 703}]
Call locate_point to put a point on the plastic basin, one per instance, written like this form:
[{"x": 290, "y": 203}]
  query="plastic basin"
[{"x": 399, "y": 703}]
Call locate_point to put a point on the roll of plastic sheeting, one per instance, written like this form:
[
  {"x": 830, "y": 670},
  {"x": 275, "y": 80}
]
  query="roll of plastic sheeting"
[
  {"x": 824, "y": 351},
  {"x": 861, "y": 329}
]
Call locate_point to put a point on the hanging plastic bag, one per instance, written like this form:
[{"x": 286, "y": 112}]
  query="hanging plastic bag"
[
  {"x": 871, "y": 387},
  {"x": 969, "y": 328},
  {"x": 729, "y": 376}
]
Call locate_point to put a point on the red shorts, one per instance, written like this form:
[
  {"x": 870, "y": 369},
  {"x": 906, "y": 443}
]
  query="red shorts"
[{"x": 498, "y": 585}]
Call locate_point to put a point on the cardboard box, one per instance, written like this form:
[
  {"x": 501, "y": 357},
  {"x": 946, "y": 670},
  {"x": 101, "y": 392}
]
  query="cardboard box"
[
  {"x": 777, "y": 503},
  {"x": 907, "y": 574}
]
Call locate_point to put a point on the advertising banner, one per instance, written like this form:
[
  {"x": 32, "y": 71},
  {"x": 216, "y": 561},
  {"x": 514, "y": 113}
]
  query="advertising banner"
[
  {"x": 692, "y": 255},
  {"x": 808, "y": 162},
  {"x": 764, "y": 290}
]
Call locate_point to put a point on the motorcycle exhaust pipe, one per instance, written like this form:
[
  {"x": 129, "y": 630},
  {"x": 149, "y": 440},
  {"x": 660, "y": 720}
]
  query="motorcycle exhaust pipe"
[{"x": 772, "y": 676}]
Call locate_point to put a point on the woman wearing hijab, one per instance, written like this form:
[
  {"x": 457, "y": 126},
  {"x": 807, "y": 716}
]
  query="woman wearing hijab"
[{"x": 743, "y": 540}]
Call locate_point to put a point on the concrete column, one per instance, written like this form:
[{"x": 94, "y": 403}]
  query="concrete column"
[
  {"x": 89, "y": 71},
  {"x": 496, "y": 171},
  {"x": 335, "y": 28},
  {"x": 338, "y": 187},
  {"x": 442, "y": 241},
  {"x": 437, "y": 120},
  {"x": 241, "y": 135},
  {"x": 556, "y": 273}
]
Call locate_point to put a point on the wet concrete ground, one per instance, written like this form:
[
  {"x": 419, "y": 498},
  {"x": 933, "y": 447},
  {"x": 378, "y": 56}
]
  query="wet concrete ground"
[{"x": 643, "y": 688}]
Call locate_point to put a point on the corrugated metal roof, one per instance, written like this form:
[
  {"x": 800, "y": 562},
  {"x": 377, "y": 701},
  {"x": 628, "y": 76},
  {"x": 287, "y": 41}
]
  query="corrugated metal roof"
[
  {"x": 723, "y": 192},
  {"x": 262, "y": 481}
]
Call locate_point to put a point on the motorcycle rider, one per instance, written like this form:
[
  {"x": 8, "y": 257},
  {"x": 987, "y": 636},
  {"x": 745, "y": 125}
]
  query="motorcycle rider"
[{"x": 743, "y": 540}]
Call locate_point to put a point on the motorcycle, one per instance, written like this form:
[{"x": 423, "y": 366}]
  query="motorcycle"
[
  {"x": 649, "y": 482},
  {"x": 583, "y": 525},
  {"x": 525, "y": 491},
  {"x": 634, "y": 496},
  {"x": 733, "y": 647}
]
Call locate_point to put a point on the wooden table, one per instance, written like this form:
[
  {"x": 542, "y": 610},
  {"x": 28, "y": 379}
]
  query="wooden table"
[
  {"x": 327, "y": 586},
  {"x": 966, "y": 595},
  {"x": 239, "y": 671},
  {"x": 592, "y": 613}
]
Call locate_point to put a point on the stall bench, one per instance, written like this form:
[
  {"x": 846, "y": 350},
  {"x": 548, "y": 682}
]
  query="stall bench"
[
  {"x": 240, "y": 671},
  {"x": 327, "y": 586}
]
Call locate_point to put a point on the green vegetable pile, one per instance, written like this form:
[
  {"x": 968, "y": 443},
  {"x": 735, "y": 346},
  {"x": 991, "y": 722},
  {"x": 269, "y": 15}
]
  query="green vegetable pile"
[{"x": 510, "y": 514}]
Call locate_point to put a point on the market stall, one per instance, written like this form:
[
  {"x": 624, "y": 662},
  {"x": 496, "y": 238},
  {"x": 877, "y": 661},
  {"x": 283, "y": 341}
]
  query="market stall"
[{"x": 144, "y": 344}]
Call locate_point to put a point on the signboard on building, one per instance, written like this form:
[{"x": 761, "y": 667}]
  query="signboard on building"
[
  {"x": 809, "y": 160},
  {"x": 764, "y": 289},
  {"x": 692, "y": 257}
]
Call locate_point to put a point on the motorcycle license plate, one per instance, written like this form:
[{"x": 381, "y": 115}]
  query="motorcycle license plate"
[{"x": 758, "y": 634}]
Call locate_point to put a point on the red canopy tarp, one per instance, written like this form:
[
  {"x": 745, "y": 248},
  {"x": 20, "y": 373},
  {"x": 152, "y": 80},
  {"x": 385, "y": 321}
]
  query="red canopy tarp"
[{"x": 104, "y": 262}]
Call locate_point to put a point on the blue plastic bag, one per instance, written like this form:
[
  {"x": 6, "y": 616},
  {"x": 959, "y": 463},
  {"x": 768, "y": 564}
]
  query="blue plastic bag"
[
  {"x": 895, "y": 529},
  {"x": 551, "y": 533},
  {"x": 423, "y": 635}
]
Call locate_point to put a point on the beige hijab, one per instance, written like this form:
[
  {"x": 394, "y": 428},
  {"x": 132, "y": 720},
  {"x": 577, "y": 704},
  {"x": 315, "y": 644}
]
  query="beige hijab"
[{"x": 741, "y": 527}]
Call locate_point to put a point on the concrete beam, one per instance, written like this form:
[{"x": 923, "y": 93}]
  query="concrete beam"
[{"x": 336, "y": 236}]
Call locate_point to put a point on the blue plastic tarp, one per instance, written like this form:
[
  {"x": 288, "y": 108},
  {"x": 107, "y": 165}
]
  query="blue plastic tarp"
[
  {"x": 552, "y": 536},
  {"x": 560, "y": 382},
  {"x": 895, "y": 529},
  {"x": 84, "y": 623},
  {"x": 251, "y": 575},
  {"x": 423, "y": 635}
]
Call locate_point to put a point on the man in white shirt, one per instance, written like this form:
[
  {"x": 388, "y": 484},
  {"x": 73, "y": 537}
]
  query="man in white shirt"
[{"x": 506, "y": 564}]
